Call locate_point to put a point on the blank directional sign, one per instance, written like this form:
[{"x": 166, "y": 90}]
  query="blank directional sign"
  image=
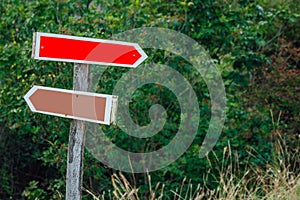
[
  {"x": 98, "y": 108},
  {"x": 67, "y": 48}
]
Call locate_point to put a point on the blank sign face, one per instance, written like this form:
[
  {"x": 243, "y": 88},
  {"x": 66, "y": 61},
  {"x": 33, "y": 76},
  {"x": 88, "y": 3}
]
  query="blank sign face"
[
  {"x": 66, "y": 48},
  {"x": 70, "y": 104}
]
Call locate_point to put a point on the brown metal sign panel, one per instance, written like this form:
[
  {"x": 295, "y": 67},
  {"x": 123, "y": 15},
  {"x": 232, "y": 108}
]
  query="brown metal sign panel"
[{"x": 85, "y": 106}]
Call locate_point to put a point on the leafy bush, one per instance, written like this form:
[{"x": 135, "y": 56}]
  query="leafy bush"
[{"x": 255, "y": 45}]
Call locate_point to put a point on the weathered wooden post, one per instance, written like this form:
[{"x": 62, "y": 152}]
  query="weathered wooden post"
[{"x": 81, "y": 82}]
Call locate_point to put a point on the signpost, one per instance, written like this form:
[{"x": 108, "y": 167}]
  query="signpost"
[{"x": 79, "y": 104}]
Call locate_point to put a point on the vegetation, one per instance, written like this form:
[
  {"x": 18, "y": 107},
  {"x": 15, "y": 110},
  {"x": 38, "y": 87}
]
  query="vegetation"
[{"x": 255, "y": 45}]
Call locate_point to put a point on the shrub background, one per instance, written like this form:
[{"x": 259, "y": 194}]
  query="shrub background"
[{"x": 255, "y": 45}]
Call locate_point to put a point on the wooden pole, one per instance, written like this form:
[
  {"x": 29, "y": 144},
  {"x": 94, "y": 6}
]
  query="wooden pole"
[{"x": 81, "y": 82}]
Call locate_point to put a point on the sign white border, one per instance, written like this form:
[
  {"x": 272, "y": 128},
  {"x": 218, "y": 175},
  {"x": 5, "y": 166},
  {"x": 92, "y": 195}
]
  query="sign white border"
[
  {"x": 36, "y": 49},
  {"x": 108, "y": 108}
]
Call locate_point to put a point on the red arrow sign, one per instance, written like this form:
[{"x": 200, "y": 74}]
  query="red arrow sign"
[
  {"x": 71, "y": 104},
  {"x": 66, "y": 48}
]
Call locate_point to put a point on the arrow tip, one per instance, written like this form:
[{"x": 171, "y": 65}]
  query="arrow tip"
[
  {"x": 28, "y": 95},
  {"x": 142, "y": 58}
]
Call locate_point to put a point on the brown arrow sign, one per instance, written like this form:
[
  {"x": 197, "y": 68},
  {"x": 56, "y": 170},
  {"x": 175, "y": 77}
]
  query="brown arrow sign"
[{"x": 98, "y": 108}]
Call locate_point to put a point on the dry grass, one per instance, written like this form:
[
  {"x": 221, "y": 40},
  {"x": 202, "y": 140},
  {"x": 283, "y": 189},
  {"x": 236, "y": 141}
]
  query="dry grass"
[{"x": 280, "y": 180}]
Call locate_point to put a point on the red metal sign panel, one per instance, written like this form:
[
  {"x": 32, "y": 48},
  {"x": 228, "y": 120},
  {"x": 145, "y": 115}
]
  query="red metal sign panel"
[{"x": 66, "y": 48}]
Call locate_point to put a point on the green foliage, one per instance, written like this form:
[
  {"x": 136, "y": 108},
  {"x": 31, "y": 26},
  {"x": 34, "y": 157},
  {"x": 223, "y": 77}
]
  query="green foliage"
[
  {"x": 255, "y": 45},
  {"x": 33, "y": 191}
]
